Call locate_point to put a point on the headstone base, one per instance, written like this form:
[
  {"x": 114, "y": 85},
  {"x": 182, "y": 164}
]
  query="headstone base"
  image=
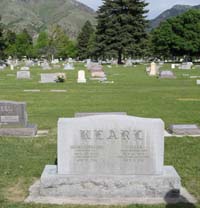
[
  {"x": 53, "y": 184},
  {"x": 108, "y": 190},
  {"x": 29, "y": 131},
  {"x": 81, "y": 81}
]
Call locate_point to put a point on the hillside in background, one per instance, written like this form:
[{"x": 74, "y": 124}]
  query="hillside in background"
[
  {"x": 37, "y": 15},
  {"x": 173, "y": 12}
]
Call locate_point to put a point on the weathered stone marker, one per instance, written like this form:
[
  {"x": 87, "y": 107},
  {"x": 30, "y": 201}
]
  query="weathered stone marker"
[
  {"x": 115, "y": 158},
  {"x": 13, "y": 113},
  {"x": 23, "y": 75},
  {"x": 14, "y": 121}
]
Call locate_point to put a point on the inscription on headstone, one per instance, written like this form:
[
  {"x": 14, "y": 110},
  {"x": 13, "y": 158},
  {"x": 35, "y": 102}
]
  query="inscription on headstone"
[
  {"x": 96, "y": 145},
  {"x": 13, "y": 120},
  {"x": 13, "y": 113}
]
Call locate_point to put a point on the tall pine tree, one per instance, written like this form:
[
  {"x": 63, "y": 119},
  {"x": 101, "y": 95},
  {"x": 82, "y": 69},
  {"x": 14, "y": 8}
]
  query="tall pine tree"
[
  {"x": 2, "y": 45},
  {"x": 121, "y": 27},
  {"x": 84, "y": 40}
]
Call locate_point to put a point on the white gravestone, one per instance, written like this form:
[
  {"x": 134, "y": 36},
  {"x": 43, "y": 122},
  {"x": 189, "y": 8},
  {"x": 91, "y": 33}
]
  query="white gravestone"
[
  {"x": 23, "y": 75},
  {"x": 198, "y": 82},
  {"x": 81, "y": 76},
  {"x": 153, "y": 69},
  {"x": 173, "y": 66},
  {"x": 112, "y": 157},
  {"x": 11, "y": 67}
]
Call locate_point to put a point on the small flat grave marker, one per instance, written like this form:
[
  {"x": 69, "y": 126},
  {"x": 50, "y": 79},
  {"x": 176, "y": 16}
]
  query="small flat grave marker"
[
  {"x": 49, "y": 78},
  {"x": 184, "y": 129}
]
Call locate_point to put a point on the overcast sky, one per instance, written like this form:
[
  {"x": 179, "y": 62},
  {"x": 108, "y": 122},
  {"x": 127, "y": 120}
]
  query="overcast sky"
[{"x": 155, "y": 7}]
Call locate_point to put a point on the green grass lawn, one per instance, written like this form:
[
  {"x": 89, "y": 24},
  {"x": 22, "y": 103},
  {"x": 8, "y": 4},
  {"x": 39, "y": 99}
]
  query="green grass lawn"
[{"x": 175, "y": 101}]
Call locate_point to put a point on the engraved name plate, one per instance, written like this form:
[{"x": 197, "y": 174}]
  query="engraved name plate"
[{"x": 9, "y": 119}]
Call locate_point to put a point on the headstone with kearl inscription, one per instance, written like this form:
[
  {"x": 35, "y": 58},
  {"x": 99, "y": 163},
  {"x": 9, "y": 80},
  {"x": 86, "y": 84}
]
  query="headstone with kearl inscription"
[
  {"x": 14, "y": 121},
  {"x": 108, "y": 158}
]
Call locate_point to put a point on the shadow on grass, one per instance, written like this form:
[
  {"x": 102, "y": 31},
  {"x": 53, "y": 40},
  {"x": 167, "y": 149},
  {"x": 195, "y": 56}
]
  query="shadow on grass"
[{"x": 173, "y": 196}]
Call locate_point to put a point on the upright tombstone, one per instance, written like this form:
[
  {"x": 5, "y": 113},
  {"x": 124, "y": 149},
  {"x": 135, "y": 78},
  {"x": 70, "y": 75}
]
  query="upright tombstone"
[
  {"x": 128, "y": 63},
  {"x": 109, "y": 158},
  {"x": 29, "y": 63},
  {"x": 45, "y": 65},
  {"x": 198, "y": 82},
  {"x": 167, "y": 74},
  {"x": 81, "y": 76},
  {"x": 173, "y": 66},
  {"x": 88, "y": 63},
  {"x": 97, "y": 72},
  {"x": 12, "y": 67},
  {"x": 186, "y": 66},
  {"x": 14, "y": 120},
  {"x": 153, "y": 69},
  {"x": 23, "y": 75},
  {"x": 2, "y": 67},
  {"x": 69, "y": 66}
]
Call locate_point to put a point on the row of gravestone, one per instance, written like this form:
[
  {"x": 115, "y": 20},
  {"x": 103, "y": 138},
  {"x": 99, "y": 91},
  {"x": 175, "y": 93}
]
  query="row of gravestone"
[
  {"x": 14, "y": 121},
  {"x": 49, "y": 77},
  {"x": 101, "y": 156}
]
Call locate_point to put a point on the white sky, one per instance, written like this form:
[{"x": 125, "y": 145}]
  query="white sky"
[{"x": 155, "y": 7}]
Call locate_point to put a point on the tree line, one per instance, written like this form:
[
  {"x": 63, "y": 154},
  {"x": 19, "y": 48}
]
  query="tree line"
[{"x": 121, "y": 32}]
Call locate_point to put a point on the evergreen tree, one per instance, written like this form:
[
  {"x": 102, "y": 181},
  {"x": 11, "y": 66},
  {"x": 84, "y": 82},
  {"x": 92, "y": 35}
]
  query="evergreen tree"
[
  {"x": 9, "y": 40},
  {"x": 23, "y": 44},
  {"x": 121, "y": 27},
  {"x": 2, "y": 45},
  {"x": 84, "y": 40}
]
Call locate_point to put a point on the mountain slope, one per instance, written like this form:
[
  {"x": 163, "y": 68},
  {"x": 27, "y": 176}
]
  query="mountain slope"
[
  {"x": 174, "y": 11},
  {"x": 35, "y": 15}
]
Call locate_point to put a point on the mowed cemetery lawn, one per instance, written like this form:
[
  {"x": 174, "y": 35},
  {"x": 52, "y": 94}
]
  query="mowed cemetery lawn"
[{"x": 133, "y": 91}]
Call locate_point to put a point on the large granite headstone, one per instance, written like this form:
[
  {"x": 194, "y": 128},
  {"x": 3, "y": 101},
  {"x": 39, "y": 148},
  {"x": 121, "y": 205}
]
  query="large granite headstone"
[
  {"x": 14, "y": 121},
  {"x": 109, "y": 157}
]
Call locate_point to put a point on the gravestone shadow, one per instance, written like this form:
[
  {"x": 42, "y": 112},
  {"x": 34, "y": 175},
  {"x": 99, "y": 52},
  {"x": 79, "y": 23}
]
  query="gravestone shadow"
[{"x": 173, "y": 196}]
